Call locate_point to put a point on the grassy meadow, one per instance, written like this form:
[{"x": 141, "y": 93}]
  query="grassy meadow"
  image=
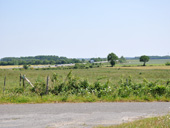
[
  {"x": 119, "y": 83},
  {"x": 152, "y": 62},
  {"x": 103, "y": 74}
]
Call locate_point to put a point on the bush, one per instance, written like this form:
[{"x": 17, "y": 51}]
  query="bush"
[
  {"x": 167, "y": 63},
  {"x": 159, "y": 90},
  {"x": 39, "y": 88},
  {"x": 25, "y": 66}
]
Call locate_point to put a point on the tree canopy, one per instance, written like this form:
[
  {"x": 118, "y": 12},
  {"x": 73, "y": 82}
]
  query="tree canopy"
[
  {"x": 112, "y": 58},
  {"x": 144, "y": 59}
]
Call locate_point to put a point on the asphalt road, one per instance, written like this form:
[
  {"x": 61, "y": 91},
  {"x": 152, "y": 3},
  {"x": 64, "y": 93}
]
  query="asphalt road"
[{"x": 76, "y": 115}]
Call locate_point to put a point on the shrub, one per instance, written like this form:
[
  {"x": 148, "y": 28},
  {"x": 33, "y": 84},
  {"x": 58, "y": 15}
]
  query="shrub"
[
  {"x": 25, "y": 66},
  {"x": 167, "y": 63},
  {"x": 39, "y": 88},
  {"x": 159, "y": 90}
]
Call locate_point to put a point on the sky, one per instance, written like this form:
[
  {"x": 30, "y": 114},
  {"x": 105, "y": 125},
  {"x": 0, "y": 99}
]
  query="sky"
[{"x": 84, "y": 28}]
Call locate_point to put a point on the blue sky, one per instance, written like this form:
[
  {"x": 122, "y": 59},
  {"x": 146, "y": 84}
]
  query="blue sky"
[{"x": 84, "y": 28}]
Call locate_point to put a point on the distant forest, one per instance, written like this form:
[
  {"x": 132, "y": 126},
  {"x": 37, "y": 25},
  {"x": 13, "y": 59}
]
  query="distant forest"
[
  {"x": 42, "y": 60},
  {"x": 155, "y": 57}
]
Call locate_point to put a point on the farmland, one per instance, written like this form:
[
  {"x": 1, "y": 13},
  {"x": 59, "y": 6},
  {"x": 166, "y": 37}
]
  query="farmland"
[
  {"x": 93, "y": 84},
  {"x": 114, "y": 74},
  {"x": 152, "y": 62}
]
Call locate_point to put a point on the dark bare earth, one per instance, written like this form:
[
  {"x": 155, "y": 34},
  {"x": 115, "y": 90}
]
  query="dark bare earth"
[{"x": 76, "y": 115}]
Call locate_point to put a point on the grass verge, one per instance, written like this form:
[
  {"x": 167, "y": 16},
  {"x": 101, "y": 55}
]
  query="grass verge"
[{"x": 154, "y": 122}]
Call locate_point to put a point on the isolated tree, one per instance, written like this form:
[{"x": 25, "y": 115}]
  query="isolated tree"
[
  {"x": 144, "y": 59},
  {"x": 112, "y": 59}
]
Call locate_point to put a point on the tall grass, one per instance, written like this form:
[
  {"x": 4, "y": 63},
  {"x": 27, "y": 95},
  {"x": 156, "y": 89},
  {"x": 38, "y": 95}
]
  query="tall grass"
[
  {"x": 70, "y": 87},
  {"x": 92, "y": 74}
]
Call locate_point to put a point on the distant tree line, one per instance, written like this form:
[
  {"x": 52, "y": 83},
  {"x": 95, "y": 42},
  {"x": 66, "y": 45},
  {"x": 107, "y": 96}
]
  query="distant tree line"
[
  {"x": 43, "y": 60},
  {"x": 98, "y": 59},
  {"x": 37, "y": 60},
  {"x": 154, "y": 57}
]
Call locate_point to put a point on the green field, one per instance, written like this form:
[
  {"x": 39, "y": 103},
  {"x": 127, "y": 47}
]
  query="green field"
[
  {"x": 114, "y": 74},
  {"x": 124, "y": 82},
  {"x": 151, "y": 62},
  {"x": 152, "y": 82}
]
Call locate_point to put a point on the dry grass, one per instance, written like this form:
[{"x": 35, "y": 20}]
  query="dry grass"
[
  {"x": 10, "y": 66},
  {"x": 18, "y": 66}
]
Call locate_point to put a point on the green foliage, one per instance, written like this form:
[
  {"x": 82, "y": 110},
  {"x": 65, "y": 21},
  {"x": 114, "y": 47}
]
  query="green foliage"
[
  {"x": 144, "y": 59},
  {"x": 156, "y": 57},
  {"x": 79, "y": 66},
  {"x": 37, "y": 60},
  {"x": 112, "y": 62},
  {"x": 98, "y": 59},
  {"x": 122, "y": 59},
  {"x": 158, "y": 90},
  {"x": 112, "y": 59},
  {"x": 39, "y": 87},
  {"x": 87, "y": 66},
  {"x": 16, "y": 91},
  {"x": 167, "y": 63},
  {"x": 25, "y": 66},
  {"x": 99, "y": 84},
  {"x": 72, "y": 85}
]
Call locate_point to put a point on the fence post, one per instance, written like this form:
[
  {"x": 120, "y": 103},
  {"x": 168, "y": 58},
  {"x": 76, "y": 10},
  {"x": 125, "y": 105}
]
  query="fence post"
[
  {"x": 20, "y": 80},
  {"x": 24, "y": 81},
  {"x": 47, "y": 85},
  {"x": 4, "y": 85}
]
